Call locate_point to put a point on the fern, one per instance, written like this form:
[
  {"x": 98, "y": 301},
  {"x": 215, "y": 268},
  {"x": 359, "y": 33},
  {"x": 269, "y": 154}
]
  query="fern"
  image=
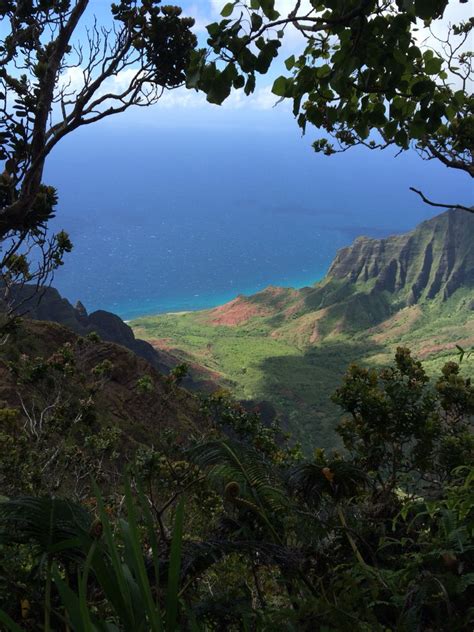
[{"x": 52, "y": 525}]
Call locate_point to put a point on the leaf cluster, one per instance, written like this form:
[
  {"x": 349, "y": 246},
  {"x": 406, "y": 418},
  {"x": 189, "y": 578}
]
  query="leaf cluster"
[{"x": 362, "y": 78}]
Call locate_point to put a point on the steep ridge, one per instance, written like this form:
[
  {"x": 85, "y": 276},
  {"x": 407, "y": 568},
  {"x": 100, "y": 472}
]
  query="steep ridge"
[
  {"x": 373, "y": 279},
  {"x": 48, "y": 305},
  {"x": 432, "y": 260},
  {"x": 79, "y": 397}
]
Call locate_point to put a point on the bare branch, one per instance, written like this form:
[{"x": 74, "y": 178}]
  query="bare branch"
[{"x": 440, "y": 205}]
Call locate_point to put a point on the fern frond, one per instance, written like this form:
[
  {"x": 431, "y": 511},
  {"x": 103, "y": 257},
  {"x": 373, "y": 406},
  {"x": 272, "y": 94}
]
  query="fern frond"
[
  {"x": 227, "y": 461},
  {"x": 51, "y": 524}
]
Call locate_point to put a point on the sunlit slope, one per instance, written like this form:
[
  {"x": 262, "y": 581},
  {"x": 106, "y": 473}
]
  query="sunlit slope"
[{"x": 292, "y": 346}]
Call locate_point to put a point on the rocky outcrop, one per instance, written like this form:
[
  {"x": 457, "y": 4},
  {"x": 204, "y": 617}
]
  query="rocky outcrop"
[
  {"x": 433, "y": 260},
  {"x": 372, "y": 279},
  {"x": 48, "y": 305}
]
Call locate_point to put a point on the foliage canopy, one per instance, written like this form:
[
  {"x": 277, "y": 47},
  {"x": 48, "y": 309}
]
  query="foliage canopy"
[{"x": 365, "y": 76}]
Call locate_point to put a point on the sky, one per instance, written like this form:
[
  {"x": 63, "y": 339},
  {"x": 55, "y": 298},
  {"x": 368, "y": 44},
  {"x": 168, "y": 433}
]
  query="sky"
[{"x": 187, "y": 109}]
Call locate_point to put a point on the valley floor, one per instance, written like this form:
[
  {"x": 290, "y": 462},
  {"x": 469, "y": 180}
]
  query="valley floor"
[{"x": 258, "y": 358}]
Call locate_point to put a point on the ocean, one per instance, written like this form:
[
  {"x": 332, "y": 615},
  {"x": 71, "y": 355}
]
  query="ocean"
[{"x": 182, "y": 218}]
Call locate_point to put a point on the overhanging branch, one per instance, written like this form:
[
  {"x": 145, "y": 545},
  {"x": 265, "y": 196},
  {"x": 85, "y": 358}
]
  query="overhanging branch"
[{"x": 460, "y": 207}]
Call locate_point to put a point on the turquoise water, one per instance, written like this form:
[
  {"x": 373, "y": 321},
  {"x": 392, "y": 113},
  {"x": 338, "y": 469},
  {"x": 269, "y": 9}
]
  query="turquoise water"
[
  {"x": 149, "y": 306},
  {"x": 171, "y": 220}
]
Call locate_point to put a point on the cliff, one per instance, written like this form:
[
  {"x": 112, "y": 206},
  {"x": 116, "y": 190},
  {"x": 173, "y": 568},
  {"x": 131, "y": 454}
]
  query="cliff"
[
  {"x": 373, "y": 279},
  {"x": 432, "y": 261}
]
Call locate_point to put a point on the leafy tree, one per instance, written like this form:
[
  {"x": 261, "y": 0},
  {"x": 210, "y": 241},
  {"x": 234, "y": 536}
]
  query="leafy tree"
[
  {"x": 401, "y": 430},
  {"x": 362, "y": 77},
  {"x": 148, "y": 46}
]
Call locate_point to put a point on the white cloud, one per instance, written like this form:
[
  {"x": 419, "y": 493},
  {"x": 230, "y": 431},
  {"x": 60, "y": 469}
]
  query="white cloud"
[
  {"x": 262, "y": 99},
  {"x": 181, "y": 98},
  {"x": 72, "y": 79}
]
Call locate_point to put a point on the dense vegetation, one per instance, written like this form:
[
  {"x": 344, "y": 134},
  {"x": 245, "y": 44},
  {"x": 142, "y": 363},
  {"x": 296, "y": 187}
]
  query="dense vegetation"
[{"x": 235, "y": 529}]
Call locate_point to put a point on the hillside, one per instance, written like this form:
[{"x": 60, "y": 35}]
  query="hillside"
[
  {"x": 48, "y": 305},
  {"x": 291, "y": 347},
  {"x": 85, "y": 406}
]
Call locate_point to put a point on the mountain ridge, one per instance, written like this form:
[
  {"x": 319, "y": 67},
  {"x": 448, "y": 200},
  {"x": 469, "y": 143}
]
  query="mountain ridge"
[{"x": 372, "y": 279}]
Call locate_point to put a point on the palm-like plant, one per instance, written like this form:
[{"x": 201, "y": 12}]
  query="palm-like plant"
[
  {"x": 55, "y": 528},
  {"x": 244, "y": 477},
  {"x": 113, "y": 559},
  {"x": 52, "y": 525}
]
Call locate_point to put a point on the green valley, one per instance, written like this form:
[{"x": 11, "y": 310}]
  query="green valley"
[{"x": 291, "y": 347}]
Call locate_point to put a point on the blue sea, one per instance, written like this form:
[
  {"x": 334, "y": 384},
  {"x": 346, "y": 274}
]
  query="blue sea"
[{"x": 183, "y": 217}]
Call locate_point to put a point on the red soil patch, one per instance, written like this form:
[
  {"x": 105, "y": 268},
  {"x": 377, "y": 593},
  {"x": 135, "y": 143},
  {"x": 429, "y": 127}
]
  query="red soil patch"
[
  {"x": 161, "y": 344},
  {"x": 164, "y": 345},
  {"x": 294, "y": 309},
  {"x": 236, "y": 312},
  {"x": 315, "y": 336},
  {"x": 427, "y": 350}
]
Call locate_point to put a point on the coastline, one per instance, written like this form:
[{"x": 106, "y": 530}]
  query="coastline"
[{"x": 210, "y": 302}]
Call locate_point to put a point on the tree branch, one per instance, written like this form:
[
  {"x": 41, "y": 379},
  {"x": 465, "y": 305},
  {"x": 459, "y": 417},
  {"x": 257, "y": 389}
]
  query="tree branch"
[{"x": 461, "y": 207}]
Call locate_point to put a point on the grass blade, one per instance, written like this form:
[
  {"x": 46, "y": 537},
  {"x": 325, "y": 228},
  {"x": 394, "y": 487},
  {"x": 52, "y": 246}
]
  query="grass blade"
[
  {"x": 135, "y": 553},
  {"x": 151, "y": 532},
  {"x": 121, "y": 599},
  {"x": 11, "y": 626},
  {"x": 71, "y": 603},
  {"x": 172, "y": 593}
]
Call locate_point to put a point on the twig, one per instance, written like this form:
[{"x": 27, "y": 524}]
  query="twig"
[{"x": 461, "y": 207}]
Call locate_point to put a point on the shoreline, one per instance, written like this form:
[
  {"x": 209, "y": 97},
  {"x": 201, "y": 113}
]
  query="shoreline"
[{"x": 217, "y": 301}]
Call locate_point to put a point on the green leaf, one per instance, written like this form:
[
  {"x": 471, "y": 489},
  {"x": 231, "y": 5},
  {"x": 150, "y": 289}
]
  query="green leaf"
[
  {"x": 460, "y": 97},
  {"x": 430, "y": 9},
  {"x": 151, "y": 531},
  {"x": 428, "y": 54},
  {"x": 220, "y": 88},
  {"x": 290, "y": 62},
  {"x": 323, "y": 71},
  {"x": 9, "y": 623},
  {"x": 250, "y": 85},
  {"x": 256, "y": 20},
  {"x": 121, "y": 598},
  {"x": 172, "y": 593},
  {"x": 71, "y": 604},
  {"x": 268, "y": 8},
  {"x": 227, "y": 10},
  {"x": 422, "y": 87},
  {"x": 132, "y": 540},
  {"x": 280, "y": 86},
  {"x": 213, "y": 29},
  {"x": 433, "y": 66},
  {"x": 401, "y": 138},
  {"x": 239, "y": 82}
]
